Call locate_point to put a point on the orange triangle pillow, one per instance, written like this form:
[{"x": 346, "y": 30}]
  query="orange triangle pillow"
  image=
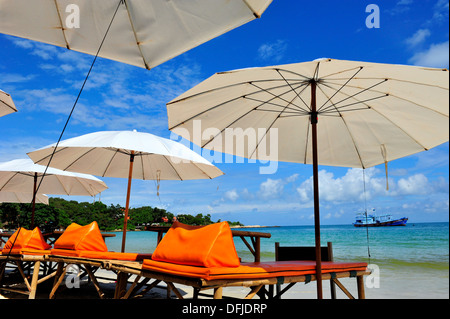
[
  {"x": 77, "y": 237},
  {"x": 205, "y": 246},
  {"x": 30, "y": 239}
]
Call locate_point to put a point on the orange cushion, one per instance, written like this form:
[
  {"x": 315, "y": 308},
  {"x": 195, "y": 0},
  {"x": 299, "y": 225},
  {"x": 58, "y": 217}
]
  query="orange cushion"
[
  {"x": 205, "y": 246},
  {"x": 25, "y": 240},
  {"x": 108, "y": 255},
  {"x": 77, "y": 237},
  {"x": 252, "y": 270}
]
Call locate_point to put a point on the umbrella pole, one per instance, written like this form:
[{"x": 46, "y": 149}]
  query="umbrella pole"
[
  {"x": 314, "y": 121},
  {"x": 33, "y": 206},
  {"x": 127, "y": 205}
]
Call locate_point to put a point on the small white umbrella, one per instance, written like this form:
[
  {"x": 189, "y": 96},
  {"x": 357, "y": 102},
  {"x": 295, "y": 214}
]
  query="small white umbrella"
[
  {"x": 23, "y": 175},
  {"x": 328, "y": 112},
  {"x": 6, "y": 104},
  {"x": 143, "y": 33},
  {"x": 127, "y": 154},
  {"x": 16, "y": 197}
]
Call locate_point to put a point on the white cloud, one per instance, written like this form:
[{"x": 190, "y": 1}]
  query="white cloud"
[
  {"x": 232, "y": 195},
  {"x": 273, "y": 51},
  {"x": 414, "y": 185},
  {"x": 271, "y": 188},
  {"x": 348, "y": 188},
  {"x": 418, "y": 38},
  {"x": 437, "y": 55}
]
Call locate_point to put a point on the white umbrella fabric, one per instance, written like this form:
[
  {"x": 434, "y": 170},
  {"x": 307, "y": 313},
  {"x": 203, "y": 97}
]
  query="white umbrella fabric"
[
  {"x": 144, "y": 33},
  {"x": 328, "y": 112},
  {"x": 127, "y": 154},
  {"x": 6, "y": 104},
  {"x": 16, "y": 197},
  {"x": 22, "y": 175}
]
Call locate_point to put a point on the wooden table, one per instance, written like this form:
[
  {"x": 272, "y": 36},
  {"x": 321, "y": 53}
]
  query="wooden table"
[{"x": 255, "y": 238}]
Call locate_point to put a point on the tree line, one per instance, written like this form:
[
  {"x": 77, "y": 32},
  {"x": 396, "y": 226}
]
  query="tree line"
[{"x": 60, "y": 213}]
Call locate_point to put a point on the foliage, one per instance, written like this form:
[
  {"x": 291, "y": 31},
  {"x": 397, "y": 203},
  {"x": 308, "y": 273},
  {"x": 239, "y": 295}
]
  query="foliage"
[{"x": 61, "y": 213}]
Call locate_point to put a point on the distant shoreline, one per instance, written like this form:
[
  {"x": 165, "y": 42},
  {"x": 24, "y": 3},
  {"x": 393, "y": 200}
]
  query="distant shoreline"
[{"x": 254, "y": 226}]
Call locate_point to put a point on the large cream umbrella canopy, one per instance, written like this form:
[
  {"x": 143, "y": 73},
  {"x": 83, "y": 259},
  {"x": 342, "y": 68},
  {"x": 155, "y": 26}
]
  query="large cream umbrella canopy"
[
  {"x": 127, "y": 154},
  {"x": 6, "y": 104},
  {"x": 328, "y": 112},
  {"x": 144, "y": 33},
  {"x": 19, "y": 197},
  {"x": 23, "y": 175}
]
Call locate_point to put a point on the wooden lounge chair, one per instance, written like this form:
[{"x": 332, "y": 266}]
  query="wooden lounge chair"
[
  {"x": 85, "y": 246},
  {"x": 205, "y": 258},
  {"x": 26, "y": 249}
]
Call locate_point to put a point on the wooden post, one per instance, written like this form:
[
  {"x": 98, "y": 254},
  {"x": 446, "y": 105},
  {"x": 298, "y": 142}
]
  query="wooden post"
[
  {"x": 33, "y": 207},
  {"x": 314, "y": 121},
  {"x": 125, "y": 219},
  {"x": 34, "y": 280},
  {"x": 360, "y": 283}
]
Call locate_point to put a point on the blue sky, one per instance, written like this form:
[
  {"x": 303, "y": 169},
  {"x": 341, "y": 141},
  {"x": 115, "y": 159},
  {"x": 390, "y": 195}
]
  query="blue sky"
[{"x": 44, "y": 81}]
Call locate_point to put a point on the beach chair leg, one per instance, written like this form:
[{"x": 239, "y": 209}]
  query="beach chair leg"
[
  {"x": 2, "y": 271},
  {"x": 332, "y": 289},
  {"x": 344, "y": 290},
  {"x": 218, "y": 292},
  {"x": 24, "y": 276},
  {"x": 253, "y": 292},
  {"x": 171, "y": 287},
  {"x": 121, "y": 285},
  {"x": 195, "y": 293},
  {"x": 34, "y": 280},
  {"x": 148, "y": 288},
  {"x": 60, "y": 274},
  {"x": 94, "y": 281},
  {"x": 361, "y": 291}
]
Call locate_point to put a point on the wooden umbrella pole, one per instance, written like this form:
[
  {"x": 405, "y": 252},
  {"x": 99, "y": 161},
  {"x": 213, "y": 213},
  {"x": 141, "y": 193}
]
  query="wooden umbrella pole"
[
  {"x": 127, "y": 205},
  {"x": 33, "y": 206},
  {"x": 314, "y": 121}
]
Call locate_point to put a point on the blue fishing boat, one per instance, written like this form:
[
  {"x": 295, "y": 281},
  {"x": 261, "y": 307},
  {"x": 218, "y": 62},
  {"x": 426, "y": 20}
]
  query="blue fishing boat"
[{"x": 364, "y": 220}]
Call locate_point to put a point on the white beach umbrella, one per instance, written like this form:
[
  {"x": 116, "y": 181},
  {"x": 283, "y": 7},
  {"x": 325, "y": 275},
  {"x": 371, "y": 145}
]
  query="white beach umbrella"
[
  {"x": 16, "y": 197},
  {"x": 144, "y": 33},
  {"x": 24, "y": 176},
  {"x": 6, "y": 104},
  {"x": 328, "y": 112},
  {"x": 127, "y": 154}
]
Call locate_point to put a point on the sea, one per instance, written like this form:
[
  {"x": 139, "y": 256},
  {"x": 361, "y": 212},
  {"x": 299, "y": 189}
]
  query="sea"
[{"x": 408, "y": 262}]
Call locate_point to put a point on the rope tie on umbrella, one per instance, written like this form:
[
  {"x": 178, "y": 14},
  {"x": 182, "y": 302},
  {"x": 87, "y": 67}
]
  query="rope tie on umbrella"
[{"x": 158, "y": 182}]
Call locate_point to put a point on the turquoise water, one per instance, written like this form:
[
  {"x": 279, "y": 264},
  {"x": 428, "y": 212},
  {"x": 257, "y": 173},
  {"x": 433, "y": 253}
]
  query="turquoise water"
[{"x": 413, "y": 260}]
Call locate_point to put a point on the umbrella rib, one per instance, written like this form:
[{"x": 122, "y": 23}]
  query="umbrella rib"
[
  {"x": 222, "y": 88},
  {"x": 276, "y": 96},
  {"x": 244, "y": 115},
  {"x": 298, "y": 95},
  {"x": 409, "y": 101},
  {"x": 344, "y": 85},
  {"x": 340, "y": 108},
  {"x": 344, "y": 71},
  {"x": 14, "y": 175},
  {"x": 62, "y": 184},
  {"x": 74, "y": 161},
  {"x": 9, "y": 106},
  {"x": 138, "y": 43},
  {"x": 221, "y": 104},
  {"x": 351, "y": 96},
  {"x": 62, "y": 25},
  {"x": 354, "y": 142},
  {"x": 181, "y": 179},
  {"x": 267, "y": 131},
  {"x": 110, "y": 161}
]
